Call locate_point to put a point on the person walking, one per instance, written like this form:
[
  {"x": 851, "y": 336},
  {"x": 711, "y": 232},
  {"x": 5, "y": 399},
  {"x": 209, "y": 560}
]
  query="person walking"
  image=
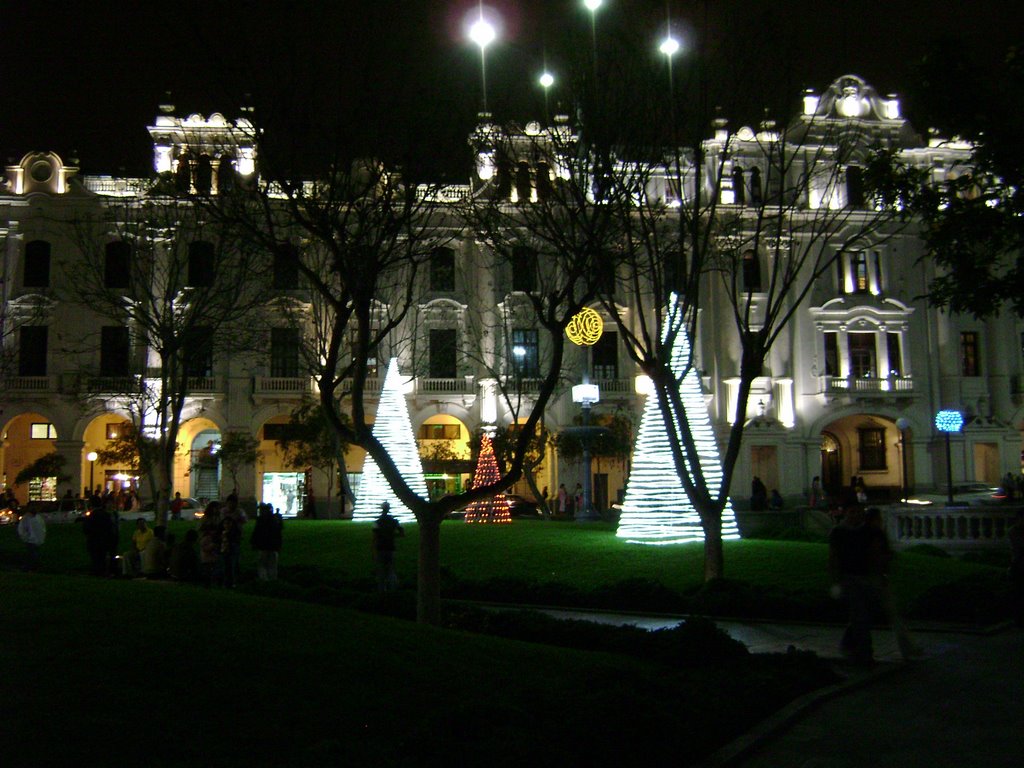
[
  {"x": 266, "y": 540},
  {"x": 32, "y": 532},
  {"x": 880, "y": 558},
  {"x": 385, "y": 530},
  {"x": 848, "y": 567}
]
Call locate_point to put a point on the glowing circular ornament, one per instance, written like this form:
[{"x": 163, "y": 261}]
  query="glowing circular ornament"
[{"x": 585, "y": 327}]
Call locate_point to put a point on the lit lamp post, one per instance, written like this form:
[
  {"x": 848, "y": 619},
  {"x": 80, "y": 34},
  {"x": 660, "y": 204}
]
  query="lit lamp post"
[
  {"x": 903, "y": 424},
  {"x": 92, "y": 456},
  {"x": 482, "y": 33},
  {"x": 947, "y": 422},
  {"x": 546, "y": 80},
  {"x": 592, "y": 6},
  {"x": 586, "y": 395}
]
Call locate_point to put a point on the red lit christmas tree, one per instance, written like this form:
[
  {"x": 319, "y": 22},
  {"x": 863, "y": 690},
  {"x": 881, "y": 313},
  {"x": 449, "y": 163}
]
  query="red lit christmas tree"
[{"x": 495, "y": 508}]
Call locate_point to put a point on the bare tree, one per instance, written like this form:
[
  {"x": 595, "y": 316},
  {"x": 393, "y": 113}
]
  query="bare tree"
[{"x": 179, "y": 293}]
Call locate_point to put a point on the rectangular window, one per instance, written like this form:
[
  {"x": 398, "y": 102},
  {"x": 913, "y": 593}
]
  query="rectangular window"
[
  {"x": 440, "y": 432},
  {"x": 604, "y": 357},
  {"x": 115, "y": 429},
  {"x": 114, "y": 351},
  {"x": 970, "y": 364},
  {"x": 831, "y": 353},
  {"x": 524, "y": 269},
  {"x": 525, "y": 353},
  {"x": 863, "y": 362},
  {"x": 200, "y": 264},
  {"x": 199, "y": 353},
  {"x": 42, "y": 432},
  {"x": 37, "y": 264},
  {"x": 442, "y": 269},
  {"x": 872, "y": 449},
  {"x": 859, "y": 270},
  {"x": 751, "y": 272},
  {"x": 32, "y": 350},
  {"x": 284, "y": 353},
  {"x": 895, "y": 354},
  {"x": 117, "y": 264},
  {"x": 442, "y": 353},
  {"x": 286, "y": 268}
]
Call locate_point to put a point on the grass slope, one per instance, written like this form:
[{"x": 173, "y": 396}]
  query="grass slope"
[{"x": 152, "y": 673}]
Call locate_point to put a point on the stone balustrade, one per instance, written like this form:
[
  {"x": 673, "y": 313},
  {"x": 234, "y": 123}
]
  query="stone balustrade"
[{"x": 954, "y": 529}]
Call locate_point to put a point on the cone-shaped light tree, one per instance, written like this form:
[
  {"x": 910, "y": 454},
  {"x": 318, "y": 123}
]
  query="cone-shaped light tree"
[
  {"x": 493, "y": 509},
  {"x": 393, "y": 429},
  {"x": 656, "y": 509}
]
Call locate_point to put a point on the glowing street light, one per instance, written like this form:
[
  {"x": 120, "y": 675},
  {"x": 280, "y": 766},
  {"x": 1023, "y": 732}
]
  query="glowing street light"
[
  {"x": 592, "y": 6},
  {"x": 546, "y": 80},
  {"x": 669, "y": 46},
  {"x": 947, "y": 422},
  {"x": 482, "y": 33},
  {"x": 91, "y": 456}
]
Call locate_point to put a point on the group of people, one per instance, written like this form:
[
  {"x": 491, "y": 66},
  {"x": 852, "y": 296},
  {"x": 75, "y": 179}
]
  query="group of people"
[
  {"x": 859, "y": 560},
  {"x": 566, "y": 504},
  {"x": 220, "y": 542},
  {"x": 761, "y": 499}
]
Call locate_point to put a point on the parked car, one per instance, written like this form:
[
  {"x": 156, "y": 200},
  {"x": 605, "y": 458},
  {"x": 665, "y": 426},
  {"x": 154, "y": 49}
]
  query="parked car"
[
  {"x": 520, "y": 506},
  {"x": 964, "y": 495},
  {"x": 59, "y": 511},
  {"x": 8, "y": 516}
]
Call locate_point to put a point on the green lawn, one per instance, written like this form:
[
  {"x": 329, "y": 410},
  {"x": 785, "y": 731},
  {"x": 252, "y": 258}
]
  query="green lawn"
[
  {"x": 114, "y": 672},
  {"x": 554, "y": 562}
]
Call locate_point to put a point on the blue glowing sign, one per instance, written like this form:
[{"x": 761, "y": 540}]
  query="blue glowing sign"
[{"x": 949, "y": 421}]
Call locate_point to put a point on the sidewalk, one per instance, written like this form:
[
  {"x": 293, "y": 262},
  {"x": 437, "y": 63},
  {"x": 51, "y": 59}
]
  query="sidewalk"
[{"x": 961, "y": 705}]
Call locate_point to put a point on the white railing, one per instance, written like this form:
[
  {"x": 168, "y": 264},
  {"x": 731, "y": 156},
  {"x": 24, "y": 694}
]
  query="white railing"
[
  {"x": 371, "y": 388},
  {"x": 112, "y": 384},
  {"x": 867, "y": 385},
  {"x": 27, "y": 384},
  {"x": 616, "y": 386},
  {"x": 202, "y": 384},
  {"x": 278, "y": 385},
  {"x": 456, "y": 386},
  {"x": 951, "y": 528}
]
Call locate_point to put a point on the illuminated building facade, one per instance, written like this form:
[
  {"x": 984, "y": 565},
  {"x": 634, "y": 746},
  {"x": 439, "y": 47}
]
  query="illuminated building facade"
[{"x": 854, "y": 381}]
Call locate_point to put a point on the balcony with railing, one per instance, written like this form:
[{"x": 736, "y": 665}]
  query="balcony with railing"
[
  {"x": 281, "y": 385},
  {"x": 371, "y": 388},
  {"x": 28, "y": 384},
  {"x": 198, "y": 384},
  {"x": 464, "y": 385},
  {"x": 867, "y": 386},
  {"x": 114, "y": 385}
]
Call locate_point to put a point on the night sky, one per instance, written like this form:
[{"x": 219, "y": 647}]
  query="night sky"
[{"x": 85, "y": 79}]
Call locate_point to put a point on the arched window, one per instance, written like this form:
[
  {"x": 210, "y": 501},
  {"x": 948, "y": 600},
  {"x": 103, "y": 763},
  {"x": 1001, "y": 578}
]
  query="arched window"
[
  {"x": 183, "y": 176},
  {"x": 226, "y": 174},
  {"x": 117, "y": 262},
  {"x": 739, "y": 189},
  {"x": 504, "y": 185},
  {"x": 543, "y": 181},
  {"x": 37, "y": 264}
]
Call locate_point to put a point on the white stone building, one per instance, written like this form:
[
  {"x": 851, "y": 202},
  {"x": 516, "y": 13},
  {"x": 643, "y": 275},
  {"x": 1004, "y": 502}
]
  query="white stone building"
[{"x": 850, "y": 390}]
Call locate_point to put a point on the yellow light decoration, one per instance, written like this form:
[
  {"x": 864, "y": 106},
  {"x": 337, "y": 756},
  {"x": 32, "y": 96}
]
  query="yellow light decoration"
[{"x": 585, "y": 328}]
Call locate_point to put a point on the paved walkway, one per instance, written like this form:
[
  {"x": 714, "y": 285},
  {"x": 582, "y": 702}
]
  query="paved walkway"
[{"x": 961, "y": 705}]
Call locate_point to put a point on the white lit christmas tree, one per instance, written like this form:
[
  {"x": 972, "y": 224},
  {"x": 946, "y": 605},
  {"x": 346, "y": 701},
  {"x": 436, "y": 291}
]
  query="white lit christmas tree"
[
  {"x": 394, "y": 430},
  {"x": 493, "y": 509},
  {"x": 656, "y": 508}
]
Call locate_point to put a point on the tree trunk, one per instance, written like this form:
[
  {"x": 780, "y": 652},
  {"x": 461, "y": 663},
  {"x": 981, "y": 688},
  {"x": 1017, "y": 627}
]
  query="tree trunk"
[
  {"x": 714, "y": 554},
  {"x": 428, "y": 586}
]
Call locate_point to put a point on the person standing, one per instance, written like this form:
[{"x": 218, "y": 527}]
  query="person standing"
[
  {"x": 140, "y": 540},
  {"x": 177, "y": 504},
  {"x": 562, "y": 500},
  {"x": 96, "y": 528},
  {"x": 385, "y": 530},
  {"x": 32, "y": 532},
  {"x": 815, "y": 499},
  {"x": 848, "y": 567},
  {"x": 880, "y": 557},
  {"x": 577, "y": 502},
  {"x": 266, "y": 540},
  {"x": 758, "y": 495}
]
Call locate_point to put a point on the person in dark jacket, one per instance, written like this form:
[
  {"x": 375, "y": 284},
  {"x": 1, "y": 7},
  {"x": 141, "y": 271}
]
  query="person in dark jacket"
[
  {"x": 385, "y": 530},
  {"x": 97, "y": 529},
  {"x": 266, "y": 540}
]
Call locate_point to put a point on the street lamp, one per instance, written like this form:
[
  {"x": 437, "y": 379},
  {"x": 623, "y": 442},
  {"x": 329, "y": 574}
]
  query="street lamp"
[
  {"x": 482, "y": 33},
  {"x": 92, "y": 456},
  {"x": 546, "y": 80},
  {"x": 592, "y": 6},
  {"x": 586, "y": 395},
  {"x": 947, "y": 422},
  {"x": 903, "y": 424}
]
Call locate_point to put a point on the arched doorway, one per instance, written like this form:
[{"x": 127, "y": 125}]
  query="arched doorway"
[
  {"x": 117, "y": 466},
  {"x": 27, "y": 438},
  {"x": 197, "y": 466},
  {"x": 444, "y": 448},
  {"x": 866, "y": 448}
]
